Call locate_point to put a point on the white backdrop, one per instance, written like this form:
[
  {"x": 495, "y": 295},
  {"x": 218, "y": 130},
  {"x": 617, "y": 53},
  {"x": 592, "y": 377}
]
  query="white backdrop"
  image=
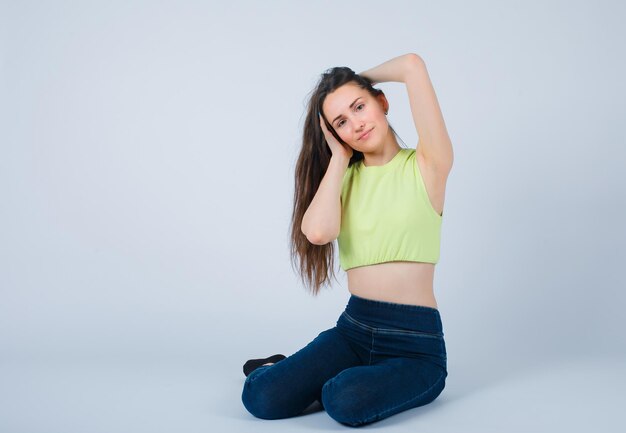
[{"x": 147, "y": 154}]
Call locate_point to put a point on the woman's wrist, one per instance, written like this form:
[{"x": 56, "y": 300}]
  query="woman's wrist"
[
  {"x": 340, "y": 160},
  {"x": 393, "y": 70}
]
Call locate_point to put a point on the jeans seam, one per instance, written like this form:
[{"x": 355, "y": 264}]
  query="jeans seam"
[
  {"x": 348, "y": 342},
  {"x": 356, "y": 322},
  {"x": 397, "y": 331},
  {"x": 405, "y": 332},
  {"x": 366, "y": 327}
]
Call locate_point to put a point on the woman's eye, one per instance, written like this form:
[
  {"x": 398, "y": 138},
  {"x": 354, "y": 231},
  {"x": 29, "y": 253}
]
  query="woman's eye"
[
  {"x": 360, "y": 105},
  {"x": 339, "y": 124}
]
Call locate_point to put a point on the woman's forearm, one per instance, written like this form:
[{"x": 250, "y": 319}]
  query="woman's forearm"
[
  {"x": 392, "y": 70},
  {"x": 321, "y": 222}
]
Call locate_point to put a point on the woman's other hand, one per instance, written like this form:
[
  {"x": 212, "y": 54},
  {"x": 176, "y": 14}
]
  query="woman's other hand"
[{"x": 338, "y": 149}]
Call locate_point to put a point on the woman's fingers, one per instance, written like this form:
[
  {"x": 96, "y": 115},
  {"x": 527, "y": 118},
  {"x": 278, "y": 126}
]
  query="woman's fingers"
[
  {"x": 323, "y": 125},
  {"x": 330, "y": 138},
  {"x": 335, "y": 146}
]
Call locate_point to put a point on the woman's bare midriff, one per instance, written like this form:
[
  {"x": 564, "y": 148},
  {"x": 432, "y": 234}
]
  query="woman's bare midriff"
[{"x": 398, "y": 282}]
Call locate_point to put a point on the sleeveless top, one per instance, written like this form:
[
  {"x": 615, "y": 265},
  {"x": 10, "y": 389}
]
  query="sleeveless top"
[{"x": 386, "y": 214}]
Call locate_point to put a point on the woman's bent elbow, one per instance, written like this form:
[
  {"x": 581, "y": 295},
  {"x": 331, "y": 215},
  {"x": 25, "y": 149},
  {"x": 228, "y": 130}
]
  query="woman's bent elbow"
[{"x": 320, "y": 239}]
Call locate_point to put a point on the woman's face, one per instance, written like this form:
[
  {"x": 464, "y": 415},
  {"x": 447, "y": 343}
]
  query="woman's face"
[{"x": 357, "y": 116}]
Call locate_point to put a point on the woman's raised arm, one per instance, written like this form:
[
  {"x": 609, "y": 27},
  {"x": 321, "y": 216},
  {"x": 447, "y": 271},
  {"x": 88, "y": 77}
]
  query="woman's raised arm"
[{"x": 434, "y": 142}]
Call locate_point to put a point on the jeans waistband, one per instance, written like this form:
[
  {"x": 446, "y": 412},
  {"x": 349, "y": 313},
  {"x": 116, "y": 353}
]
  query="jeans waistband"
[{"x": 382, "y": 314}]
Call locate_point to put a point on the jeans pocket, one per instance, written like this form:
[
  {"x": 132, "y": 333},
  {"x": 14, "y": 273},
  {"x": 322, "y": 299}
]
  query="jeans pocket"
[{"x": 409, "y": 343}]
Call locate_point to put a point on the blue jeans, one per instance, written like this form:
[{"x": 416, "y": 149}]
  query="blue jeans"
[{"x": 381, "y": 358}]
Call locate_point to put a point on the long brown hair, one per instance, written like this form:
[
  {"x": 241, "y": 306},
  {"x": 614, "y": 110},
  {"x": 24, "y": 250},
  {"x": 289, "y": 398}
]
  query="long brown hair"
[{"x": 316, "y": 261}]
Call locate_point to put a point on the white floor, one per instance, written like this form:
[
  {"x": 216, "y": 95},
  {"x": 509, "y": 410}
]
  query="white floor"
[{"x": 137, "y": 396}]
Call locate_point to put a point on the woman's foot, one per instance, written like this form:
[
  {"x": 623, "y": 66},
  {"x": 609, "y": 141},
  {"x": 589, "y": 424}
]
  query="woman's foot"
[{"x": 253, "y": 364}]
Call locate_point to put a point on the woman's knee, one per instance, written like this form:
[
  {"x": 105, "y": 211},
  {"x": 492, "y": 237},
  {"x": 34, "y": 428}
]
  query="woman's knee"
[
  {"x": 259, "y": 397},
  {"x": 268, "y": 397},
  {"x": 354, "y": 402},
  {"x": 345, "y": 403}
]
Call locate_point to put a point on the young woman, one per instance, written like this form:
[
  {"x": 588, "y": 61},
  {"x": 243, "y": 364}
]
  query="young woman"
[{"x": 384, "y": 205}]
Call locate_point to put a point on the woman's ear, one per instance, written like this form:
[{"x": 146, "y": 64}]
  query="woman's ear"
[{"x": 382, "y": 99}]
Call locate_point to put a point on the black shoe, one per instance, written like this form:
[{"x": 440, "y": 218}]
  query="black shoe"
[{"x": 253, "y": 364}]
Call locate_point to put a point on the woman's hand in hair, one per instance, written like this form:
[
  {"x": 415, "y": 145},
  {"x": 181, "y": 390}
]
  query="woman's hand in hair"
[{"x": 338, "y": 149}]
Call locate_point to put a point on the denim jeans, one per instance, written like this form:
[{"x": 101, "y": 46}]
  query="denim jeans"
[{"x": 380, "y": 358}]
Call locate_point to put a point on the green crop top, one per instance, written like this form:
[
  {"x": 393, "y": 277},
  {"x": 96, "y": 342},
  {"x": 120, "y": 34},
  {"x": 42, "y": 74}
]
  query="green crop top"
[{"x": 386, "y": 214}]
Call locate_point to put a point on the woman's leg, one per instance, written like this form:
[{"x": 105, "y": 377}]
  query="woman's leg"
[
  {"x": 364, "y": 394},
  {"x": 288, "y": 387}
]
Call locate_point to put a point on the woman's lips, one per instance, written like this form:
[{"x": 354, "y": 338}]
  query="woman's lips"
[{"x": 367, "y": 134}]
